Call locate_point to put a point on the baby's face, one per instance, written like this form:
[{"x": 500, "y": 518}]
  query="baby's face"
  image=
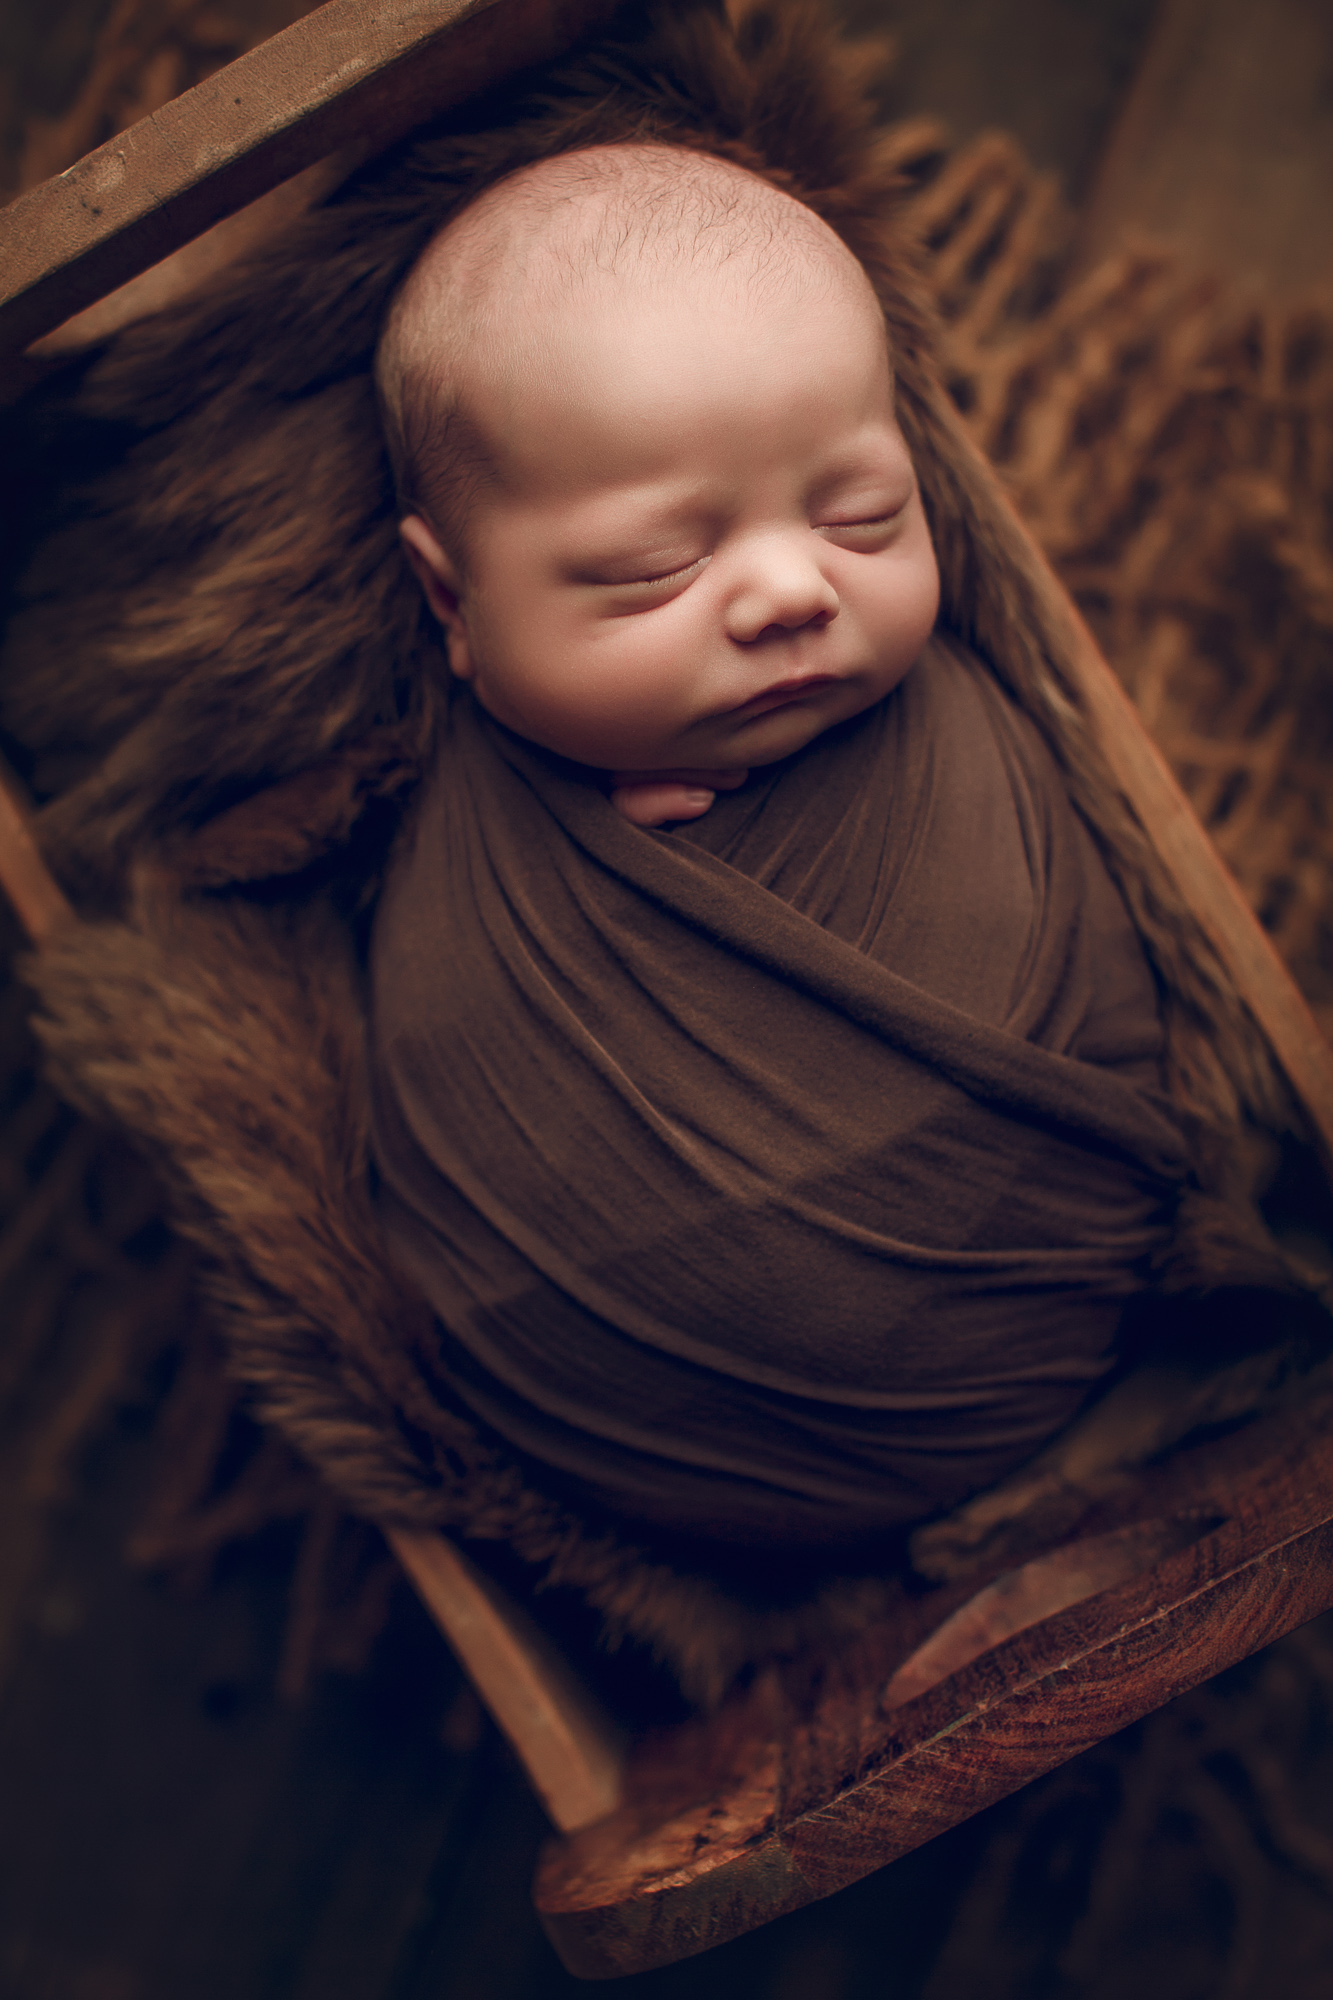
[{"x": 704, "y": 543}]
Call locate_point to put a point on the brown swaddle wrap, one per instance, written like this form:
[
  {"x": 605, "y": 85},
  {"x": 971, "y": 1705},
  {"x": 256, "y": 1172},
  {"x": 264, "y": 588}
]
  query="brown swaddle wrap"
[{"x": 780, "y": 1179}]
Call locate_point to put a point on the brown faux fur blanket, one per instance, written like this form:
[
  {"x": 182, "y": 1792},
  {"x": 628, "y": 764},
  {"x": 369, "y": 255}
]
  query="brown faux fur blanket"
[{"x": 219, "y": 667}]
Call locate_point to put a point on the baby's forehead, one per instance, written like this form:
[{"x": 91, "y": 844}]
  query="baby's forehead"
[
  {"x": 605, "y": 239},
  {"x": 614, "y": 208},
  {"x": 629, "y": 219}
]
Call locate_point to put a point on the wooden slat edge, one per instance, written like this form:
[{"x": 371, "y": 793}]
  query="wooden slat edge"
[
  {"x": 1112, "y": 1682},
  {"x": 38, "y": 901},
  {"x": 1204, "y": 882},
  {"x": 571, "y": 1752},
  {"x": 997, "y": 1745},
  {"x": 354, "y": 71},
  {"x": 1212, "y": 892}
]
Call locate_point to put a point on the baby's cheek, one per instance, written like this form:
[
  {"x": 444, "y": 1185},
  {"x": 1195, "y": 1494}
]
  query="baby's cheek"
[
  {"x": 924, "y": 590},
  {"x": 611, "y": 692},
  {"x": 521, "y": 679},
  {"x": 626, "y": 706},
  {"x": 908, "y": 607}
]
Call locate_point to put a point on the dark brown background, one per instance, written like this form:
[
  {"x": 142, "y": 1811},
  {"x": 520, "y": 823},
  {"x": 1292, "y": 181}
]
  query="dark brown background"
[{"x": 172, "y": 1827}]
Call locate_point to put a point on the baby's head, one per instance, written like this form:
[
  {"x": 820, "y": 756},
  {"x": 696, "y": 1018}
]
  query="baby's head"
[{"x": 641, "y": 408}]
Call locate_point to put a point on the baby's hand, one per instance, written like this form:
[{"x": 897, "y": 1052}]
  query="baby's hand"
[{"x": 651, "y": 798}]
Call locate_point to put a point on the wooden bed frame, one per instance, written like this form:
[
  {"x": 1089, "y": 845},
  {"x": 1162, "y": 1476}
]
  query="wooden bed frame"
[{"x": 816, "y": 1775}]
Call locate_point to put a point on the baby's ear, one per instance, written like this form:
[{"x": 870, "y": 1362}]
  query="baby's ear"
[{"x": 438, "y": 576}]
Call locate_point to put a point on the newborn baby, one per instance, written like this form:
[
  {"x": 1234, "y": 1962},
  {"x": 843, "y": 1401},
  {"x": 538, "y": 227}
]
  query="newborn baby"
[{"x": 777, "y": 1178}]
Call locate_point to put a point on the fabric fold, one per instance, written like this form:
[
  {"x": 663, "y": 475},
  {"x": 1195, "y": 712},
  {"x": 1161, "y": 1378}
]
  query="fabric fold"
[{"x": 781, "y": 1178}]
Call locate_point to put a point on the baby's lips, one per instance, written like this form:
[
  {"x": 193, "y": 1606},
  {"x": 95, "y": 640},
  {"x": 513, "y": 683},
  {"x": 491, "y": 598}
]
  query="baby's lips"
[{"x": 795, "y": 689}]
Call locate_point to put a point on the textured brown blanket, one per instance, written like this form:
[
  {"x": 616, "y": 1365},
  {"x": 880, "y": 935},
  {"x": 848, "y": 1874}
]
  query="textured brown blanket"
[{"x": 781, "y": 1179}]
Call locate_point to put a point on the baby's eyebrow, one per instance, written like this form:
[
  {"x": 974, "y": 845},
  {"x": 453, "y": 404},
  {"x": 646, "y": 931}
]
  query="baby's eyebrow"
[{"x": 654, "y": 507}]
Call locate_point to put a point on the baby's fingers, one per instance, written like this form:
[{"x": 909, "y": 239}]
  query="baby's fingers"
[
  {"x": 654, "y": 801},
  {"x": 651, "y": 798}
]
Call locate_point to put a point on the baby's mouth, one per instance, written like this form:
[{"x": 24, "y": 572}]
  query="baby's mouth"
[{"x": 783, "y": 693}]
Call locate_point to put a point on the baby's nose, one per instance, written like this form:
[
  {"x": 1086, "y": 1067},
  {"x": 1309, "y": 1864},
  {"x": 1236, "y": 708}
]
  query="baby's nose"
[{"x": 783, "y": 588}]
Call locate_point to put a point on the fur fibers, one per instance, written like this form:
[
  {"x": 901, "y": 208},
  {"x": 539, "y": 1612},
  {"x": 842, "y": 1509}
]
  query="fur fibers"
[{"x": 220, "y": 668}]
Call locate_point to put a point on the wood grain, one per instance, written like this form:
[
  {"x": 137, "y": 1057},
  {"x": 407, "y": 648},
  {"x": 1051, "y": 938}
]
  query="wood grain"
[
  {"x": 354, "y": 72},
  {"x": 855, "y": 1780}
]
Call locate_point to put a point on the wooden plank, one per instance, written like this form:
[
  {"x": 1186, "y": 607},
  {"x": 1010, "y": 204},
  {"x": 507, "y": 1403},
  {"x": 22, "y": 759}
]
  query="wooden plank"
[
  {"x": 851, "y": 1777},
  {"x": 355, "y": 72},
  {"x": 1209, "y": 891},
  {"x": 571, "y": 1752},
  {"x": 184, "y": 272},
  {"x": 38, "y": 900}
]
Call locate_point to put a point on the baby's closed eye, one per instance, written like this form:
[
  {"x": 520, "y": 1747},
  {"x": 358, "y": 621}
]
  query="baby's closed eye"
[
  {"x": 635, "y": 587},
  {"x": 869, "y": 535},
  {"x": 660, "y": 579}
]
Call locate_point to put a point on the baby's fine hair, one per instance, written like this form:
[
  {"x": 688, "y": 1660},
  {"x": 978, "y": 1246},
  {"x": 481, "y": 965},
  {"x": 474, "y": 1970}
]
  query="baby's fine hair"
[{"x": 536, "y": 240}]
